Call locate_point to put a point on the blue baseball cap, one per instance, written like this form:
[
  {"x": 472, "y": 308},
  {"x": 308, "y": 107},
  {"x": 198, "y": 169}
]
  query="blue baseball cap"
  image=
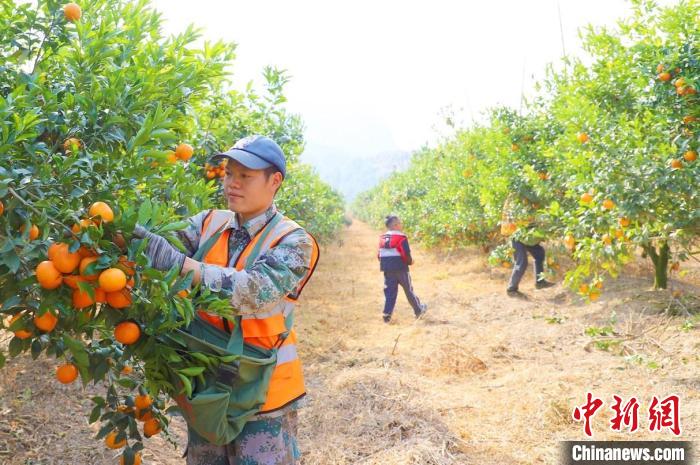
[{"x": 256, "y": 153}]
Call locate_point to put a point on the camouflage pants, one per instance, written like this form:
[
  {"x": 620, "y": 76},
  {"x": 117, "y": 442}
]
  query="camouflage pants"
[{"x": 262, "y": 442}]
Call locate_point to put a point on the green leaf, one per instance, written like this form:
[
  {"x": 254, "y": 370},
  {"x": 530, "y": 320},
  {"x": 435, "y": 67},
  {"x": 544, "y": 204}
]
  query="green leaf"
[
  {"x": 145, "y": 213},
  {"x": 95, "y": 414},
  {"x": 78, "y": 351}
]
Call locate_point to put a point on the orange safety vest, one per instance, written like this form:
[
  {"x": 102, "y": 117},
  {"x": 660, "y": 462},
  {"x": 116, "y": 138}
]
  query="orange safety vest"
[{"x": 265, "y": 328}]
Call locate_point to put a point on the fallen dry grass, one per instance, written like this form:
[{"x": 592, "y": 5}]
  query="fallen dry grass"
[{"x": 481, "y": 379}]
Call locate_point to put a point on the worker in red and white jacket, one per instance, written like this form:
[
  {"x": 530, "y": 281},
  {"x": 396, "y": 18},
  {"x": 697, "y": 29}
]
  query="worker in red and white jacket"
[{"x": 394, "y": 259}]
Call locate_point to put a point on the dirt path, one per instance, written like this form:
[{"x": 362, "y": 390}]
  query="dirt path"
[{"x": 481, "y": 379}]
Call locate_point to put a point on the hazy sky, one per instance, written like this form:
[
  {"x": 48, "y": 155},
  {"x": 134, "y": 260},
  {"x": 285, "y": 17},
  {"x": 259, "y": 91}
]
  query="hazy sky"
[{"x": 370, "y": 76}]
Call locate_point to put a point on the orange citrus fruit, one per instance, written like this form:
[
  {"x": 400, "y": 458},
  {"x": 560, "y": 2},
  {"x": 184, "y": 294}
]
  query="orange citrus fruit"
[
  {"x": 72, "y": 280},
  {"x": 2, "y": 207},
  {"x": 119, "y": 299},
  {"x": 67, "y": 373},
  {"x": 586, "y": 197},
  {"x": 665, "y": 76},
  {"x": 624, "y": 222},
  {"x": 143, "y": 401},
  {"x": 84, "y": 263},
  {"x": 184, "y": 152},
  {"x": 72, "y": 12},
  {"x": 46, "y": 322},
  {"x": 111, "y": 441},
  {"x": 112, "y": 280},
  {"x": 151, "y": 427},
  {"x": 676, "y": 164},
  {"x": 33, "y": 231},
  {"x": 64, "y": 260},
  {"x": 82, "y": 299},
  {"x": 137, "y": 459},
  {"x": 100, "y": 295},
  {"x": 608, "y": 204},
  {"x": 102, "y": 210},
  {"x": 20, "y": 333},
  {"x": 47, "y": 275},
  {"x": 127, "y": 332},
  {"x": 690, "y": 155},
  {"x": 582, "y": 137}
]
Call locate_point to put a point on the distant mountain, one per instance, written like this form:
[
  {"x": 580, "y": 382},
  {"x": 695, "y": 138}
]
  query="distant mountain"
[{"x": 352, "y": 174}]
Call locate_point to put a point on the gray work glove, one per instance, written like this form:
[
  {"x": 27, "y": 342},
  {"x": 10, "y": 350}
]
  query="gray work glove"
[{"x": 163, "y": 255}]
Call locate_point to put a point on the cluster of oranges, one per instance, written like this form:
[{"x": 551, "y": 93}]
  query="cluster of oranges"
[
  {"x": 143, "y": 412},
  {"x": 182, "y": 152},
  {"x": 213, "y": 171},
  {"x": 110, "y": 286},
  {"x": 72, "y": 12}
]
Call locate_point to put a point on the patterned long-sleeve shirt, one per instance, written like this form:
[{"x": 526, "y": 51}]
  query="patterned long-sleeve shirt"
[{"x": 274, "y": 274}]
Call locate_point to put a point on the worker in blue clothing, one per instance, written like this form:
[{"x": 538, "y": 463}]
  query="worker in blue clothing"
[{"x": 394, "y": 259}]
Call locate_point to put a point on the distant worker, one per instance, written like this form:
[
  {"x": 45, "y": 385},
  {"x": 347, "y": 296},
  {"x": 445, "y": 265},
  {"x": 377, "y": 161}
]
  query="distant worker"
[
  {"x": 525, "y": 235},
  {"x": 394, "y": 260}
]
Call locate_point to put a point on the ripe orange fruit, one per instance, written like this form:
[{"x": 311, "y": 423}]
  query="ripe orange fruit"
[
  {"x": 85, "y": 252},
  {"x": 659, "y": 67},
  {"x": 211, "y": 174},
  {"x": 102, "y": 210},
  {"x": 72, "y": 280},
  {"x": 100, "y": 295},
  {"x": 126, "y": 266},
  {"x": 127, "y": 332},
  {"x": 52, "y": 250},
  {"x": 690, "y": 90},
  {"x": 570, "y": 242},
  {"x": 665, "y": 76},
  {"x": 20, "y": 333},
  {"x": 46, "y": 322},
  {"x": 624, "y": 221},
  {"x": 172, "y": 158},
  {"x": 151, "y": 427},
  {"x": 681, "y": 90},
  {"x": 82, "y": 299},
  {"x": 67, "y": 373},
  {"x": 583, "y": 288},
  {"x": 143, "y": 414},
  {"x": 33, "y": 231},
  {"x": 586, "y": 197},
  {"x": 84, "y": 263},
  {"x": 47, "y": 275},
  {"x": 183, "y": 293},
  {"x": 83, "y": 224},
  {"x": 143, "y": 401},
  {"x": 2, "y": 207},
  {"x": 543, "y": 175},
  {"x": 111, "y": 441},
  {"x": 69, "y": 143},
  {"x": 599, "y": 285},
  {"x": 676, "y": 164},
  {"x": 184, "y": 152},
  {"x": 582, "y": 137},
  {"x": 64, "y": 260},
  {"x": 675, "y": 266},
  {"x": 72, "y": 12},
  {"x": 119, "y": 299},
  {"x": 690, "y": 155},
  {"x": 127, "y": 369},
  {"x": 607, "y": 240},
  {"x": 619, "y": 233},
  {"x": 689, "y": 119},
  {"x": 608, "y": 204},
  {"x": 594, "y": 295},
  {"x": 137, "y": 459},
  {"x": 112, "y": 280}
]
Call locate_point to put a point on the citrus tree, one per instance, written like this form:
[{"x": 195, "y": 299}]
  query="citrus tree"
[
  {"x": 105, "y": 123},
  {"x": 604, "y": 158}
]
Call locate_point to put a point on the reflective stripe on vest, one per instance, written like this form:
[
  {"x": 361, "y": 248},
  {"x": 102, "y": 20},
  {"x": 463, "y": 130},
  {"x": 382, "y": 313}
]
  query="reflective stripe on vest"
[
  {"x": 384, "y": 253},
  {"x": 262, "y": 329}
]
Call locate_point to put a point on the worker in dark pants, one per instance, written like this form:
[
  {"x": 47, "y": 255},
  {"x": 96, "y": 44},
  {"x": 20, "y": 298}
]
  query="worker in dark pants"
[
  {"x": 525, "y": 237},
  {"x": 520, "y": 258},
  {"x": 394, "y": 259}
]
